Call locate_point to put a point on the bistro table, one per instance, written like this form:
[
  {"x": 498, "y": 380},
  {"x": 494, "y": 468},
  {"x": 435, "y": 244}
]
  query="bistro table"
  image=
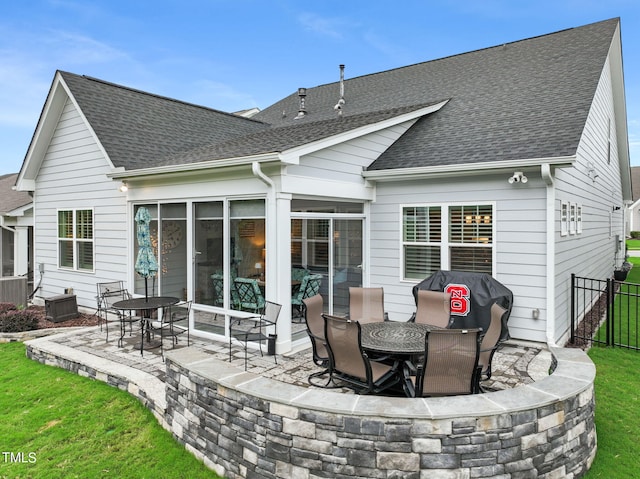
[
  {"x": 395, "y": 337},
  {"x": 146, "y": 305}
]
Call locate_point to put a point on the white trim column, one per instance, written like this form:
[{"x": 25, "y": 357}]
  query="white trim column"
[
  {"x": 279, "y": 264},
  {"x": 21, "y": 250}
]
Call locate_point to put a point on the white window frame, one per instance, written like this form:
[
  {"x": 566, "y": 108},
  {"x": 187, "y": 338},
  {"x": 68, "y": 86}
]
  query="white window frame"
[
  {"x": 564, "y": 218},
  {"x": 75, "y": 241},
  {"x": 572, "y": 218},
  {"x": 579, "y": 218},
  {"x": 445, "y": 244}
]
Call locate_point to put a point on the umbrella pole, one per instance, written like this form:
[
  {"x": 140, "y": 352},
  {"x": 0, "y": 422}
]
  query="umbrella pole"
[{"x": 146, "y": 294}]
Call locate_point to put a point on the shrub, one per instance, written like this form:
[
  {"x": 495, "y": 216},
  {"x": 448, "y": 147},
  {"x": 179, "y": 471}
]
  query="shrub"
[
  {"x": 635, "y": 234},
  {"x": 4, "y": 307},
  {"x": 15, "y": 321}
]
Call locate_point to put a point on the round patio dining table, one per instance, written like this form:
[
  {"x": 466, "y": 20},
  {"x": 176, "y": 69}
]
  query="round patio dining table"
[
  {"x": 394, "y": 337},
  {"x": 146, "y": 305}
]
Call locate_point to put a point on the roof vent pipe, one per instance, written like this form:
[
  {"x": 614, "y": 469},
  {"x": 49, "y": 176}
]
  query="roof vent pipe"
[
  {"x": 302, "y": 111},
  {"x": 341, "y": 101}
]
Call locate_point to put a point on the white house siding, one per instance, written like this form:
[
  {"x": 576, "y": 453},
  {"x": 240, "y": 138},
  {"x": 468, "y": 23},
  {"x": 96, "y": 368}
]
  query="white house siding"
[
  {"x": 73, "y": 176},
  {"x": 519, "y": 241},
  {"x": 344, "y": 162},
  {"x": 592, "y": 253}
]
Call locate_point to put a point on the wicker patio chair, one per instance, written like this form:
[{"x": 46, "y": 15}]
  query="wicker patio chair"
[
  {"x": 350, "y": 364},
  {"x": 450, "y": 364}
]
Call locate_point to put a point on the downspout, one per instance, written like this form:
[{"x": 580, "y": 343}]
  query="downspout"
[
  {"x": 547, "y": 177},
  {"x": 271, "y": 277},
  {"x": 257, "y": 171}
]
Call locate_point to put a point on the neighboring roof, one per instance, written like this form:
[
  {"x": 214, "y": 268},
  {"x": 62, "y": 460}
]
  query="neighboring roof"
[
  {"x": 521, "y": 100},
  {"x": 11, "y": 199},
  {"x": 635, "y": 183},
  {"x": 138, "y": 129}
]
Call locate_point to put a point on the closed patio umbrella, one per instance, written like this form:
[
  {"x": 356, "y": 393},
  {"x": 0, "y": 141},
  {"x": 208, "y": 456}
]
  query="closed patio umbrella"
[{"x": 146, "y": 264}]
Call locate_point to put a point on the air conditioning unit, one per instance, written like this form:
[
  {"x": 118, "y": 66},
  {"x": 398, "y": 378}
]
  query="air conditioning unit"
[
  {"x": 60, "y": 308},
  {"x": 13, "y": 289}
]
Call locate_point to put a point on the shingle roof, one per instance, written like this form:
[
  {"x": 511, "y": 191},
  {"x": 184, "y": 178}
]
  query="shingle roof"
[
  {"x": 521, "y": 100},
  {"x": 139, "y": 130},
  {"x": 527, "y": 99},
  {"x": 284, "y": 137},
  {"x": 11, "y": 199}
]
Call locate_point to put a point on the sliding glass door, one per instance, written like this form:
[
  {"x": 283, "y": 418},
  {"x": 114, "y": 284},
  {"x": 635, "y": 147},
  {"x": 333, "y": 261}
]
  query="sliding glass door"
[
  {"x": 327, "y": 239},
  {"x": 170, "y": 248}
]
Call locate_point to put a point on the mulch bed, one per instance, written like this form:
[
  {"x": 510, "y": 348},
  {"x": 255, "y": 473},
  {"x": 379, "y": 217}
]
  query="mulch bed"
[{"x": 81, "y": 320}]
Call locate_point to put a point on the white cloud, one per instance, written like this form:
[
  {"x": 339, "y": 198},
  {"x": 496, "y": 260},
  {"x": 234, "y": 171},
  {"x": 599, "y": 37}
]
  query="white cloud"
[
  {"x": 387, "y": 48},
  {"x": 325, "y": 26},
  {"x": 73, "y": 48}
]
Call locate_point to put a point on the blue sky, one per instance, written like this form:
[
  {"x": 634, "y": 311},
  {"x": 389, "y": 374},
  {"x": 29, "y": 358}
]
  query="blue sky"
[{"x": 236, "y": 54}]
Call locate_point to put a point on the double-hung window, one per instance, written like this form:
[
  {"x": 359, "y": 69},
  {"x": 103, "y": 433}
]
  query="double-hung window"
[
  {"x": 450, "y": 237},
  {"x": 422, "y": 240},
  {"x": 75, "y": 239}
]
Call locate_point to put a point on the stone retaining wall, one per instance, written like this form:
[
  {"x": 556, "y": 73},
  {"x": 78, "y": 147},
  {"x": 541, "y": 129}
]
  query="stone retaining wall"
[{"x": 245, "y": 426}]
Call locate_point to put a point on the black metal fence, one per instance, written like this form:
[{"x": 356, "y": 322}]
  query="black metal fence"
[{"x": 605, "y": 311}]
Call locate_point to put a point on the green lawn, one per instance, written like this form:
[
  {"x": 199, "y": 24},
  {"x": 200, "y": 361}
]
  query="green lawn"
[
  {"x": 60, "y": 425},
  {"x": 617, "y": 413},
  {"x": 633, "y": 244},
  {"x": 617, "y": 397}
]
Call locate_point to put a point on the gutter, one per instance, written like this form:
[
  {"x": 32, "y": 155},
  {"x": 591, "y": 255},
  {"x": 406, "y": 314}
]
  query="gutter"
[
  {"x": 468, "y": 169},
  {"x": 192, "y": 167},
  {"x": 547, "y": 177}
]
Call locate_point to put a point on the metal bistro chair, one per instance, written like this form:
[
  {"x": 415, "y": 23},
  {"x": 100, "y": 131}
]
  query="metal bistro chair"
[
  {"x": 249, "y": 295},
  {"x": 174, "y": 322},
  {"x": 257, "y": 332},
  {"x": 434, "y": 308},
  {"x": 450, "y": 364},
  {"x": 313, "y": 308},
  {"x": 109, "y": 293},
  {"x": 349, "y": 363},
  {"x": 366, "y": 305},
  {"x": 310, "y": 286}
]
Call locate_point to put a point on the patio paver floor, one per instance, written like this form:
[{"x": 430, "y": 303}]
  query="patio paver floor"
[{"x": 515, "y": 363}]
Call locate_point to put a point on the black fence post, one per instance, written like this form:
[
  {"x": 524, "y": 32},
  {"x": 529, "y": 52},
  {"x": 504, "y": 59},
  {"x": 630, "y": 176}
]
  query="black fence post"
[
  {"x": 573, "y": 308},
  {"x": 610, "y": 311}
]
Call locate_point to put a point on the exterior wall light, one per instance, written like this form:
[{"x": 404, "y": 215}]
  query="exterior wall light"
[
  {"x": 123, "y": 187},
  {"x": 518, "y": 177}
]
